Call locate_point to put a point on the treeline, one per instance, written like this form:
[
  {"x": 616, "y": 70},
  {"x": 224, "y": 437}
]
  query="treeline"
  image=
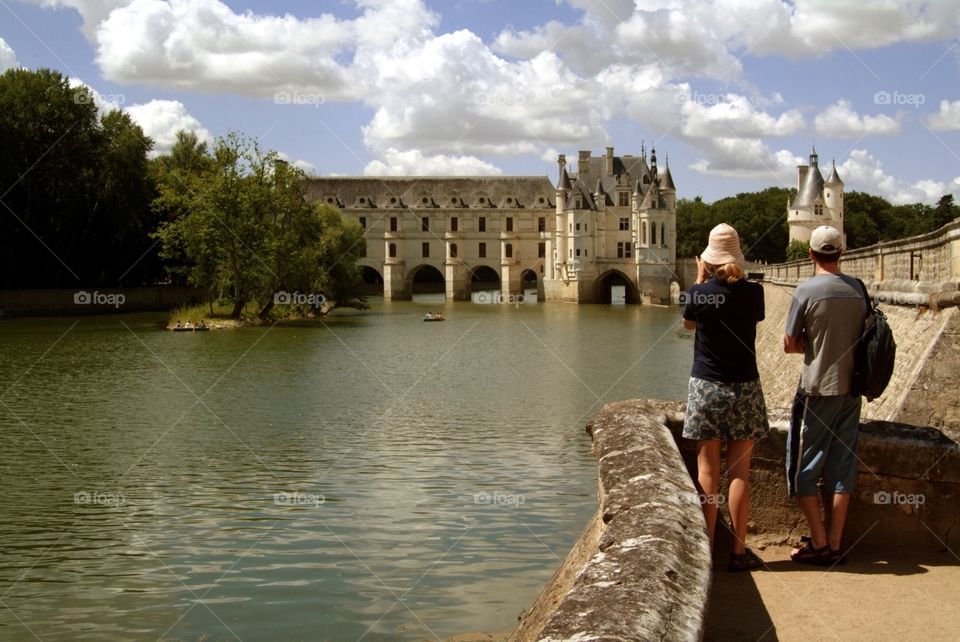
[
  {"x": 761, "y": 220},
  {"x": 83, "y": 205}
]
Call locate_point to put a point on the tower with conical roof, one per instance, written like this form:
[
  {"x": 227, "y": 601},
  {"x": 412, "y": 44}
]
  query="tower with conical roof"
[{"x": 817, "y": 202}]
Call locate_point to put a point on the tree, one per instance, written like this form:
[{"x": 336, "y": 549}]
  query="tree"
[
  {"x": 797, "y": 250},
  {"x": 236, "y": 221},
  {"x": 945, "y": 211},
  {"x": 75, "y": 210}
]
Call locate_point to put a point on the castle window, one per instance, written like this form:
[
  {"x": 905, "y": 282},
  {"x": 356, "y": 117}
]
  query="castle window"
[
  {"x": 542, "y": 224},
  {"x": 578, "y": 227},
  {"x": 453, "y": 250},
  {"x": 508, "y": 250},
  {"x": 653, "y": 234},
  {"x": 643, "y": 235},
  {"x": 541, "y": 250},
  {"x": 509, "y": 223},
  {"x": 540, "y": 200},
  {"x": 425, "y": 200},
  {"x": 392, "y": 251},
  {"x": 393, "y": 223},
  {"x": 454, "y": 223},
  {"x": 818, "y": 209},
  {"x": 363, "y": 251},
  {"x": 482, "y": 251},
  {"x": 425, "y": 224},
  {"x": 578, "y": 251},
  {"x": 579, "y": 204},
  {"x": 363, "y": 222},
  {"x": 482, "y": 224},
  {"x": 624, "y": 223},
  {"x": 623, "y": 199},
  {"x": 663, "y": 234},
  {"x": 425, "y": 249}
]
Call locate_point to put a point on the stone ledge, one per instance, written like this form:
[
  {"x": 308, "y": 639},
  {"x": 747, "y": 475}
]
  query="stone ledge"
[{"x": 649, "y": 569}]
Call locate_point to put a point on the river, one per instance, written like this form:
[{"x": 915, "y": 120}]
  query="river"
[{"x": 363, "y": 476}]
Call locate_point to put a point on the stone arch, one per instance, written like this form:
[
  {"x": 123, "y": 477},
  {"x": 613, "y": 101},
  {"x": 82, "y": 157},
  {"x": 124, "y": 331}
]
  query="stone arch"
[
  {"x": 602, "y": 287},
  {"x": 372, "y": 280},
  {"x": 484, "y": 277},
  {"x": 426, "y": 279},
  {"x": 530, "y": 280}
]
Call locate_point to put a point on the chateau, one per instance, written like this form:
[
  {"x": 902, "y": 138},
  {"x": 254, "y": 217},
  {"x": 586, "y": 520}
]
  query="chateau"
[
  {"x": 606, "y": 231},
  {"x": 817, "y": 202}
]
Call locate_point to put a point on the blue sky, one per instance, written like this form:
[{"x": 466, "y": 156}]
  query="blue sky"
[{"x": 735, "y": 91}]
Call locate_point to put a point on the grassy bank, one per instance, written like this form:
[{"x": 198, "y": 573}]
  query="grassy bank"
[{"x": 193, "y": 314}]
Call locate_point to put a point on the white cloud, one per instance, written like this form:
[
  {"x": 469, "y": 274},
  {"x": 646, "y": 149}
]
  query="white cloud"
[
  {"x": 711, "y": 115},
  {"x": 747, "y": 158},
  {"x": 162, "y": 119},
  {"x": 203, "y": 45},
  {"x": 8, "y": 59},
  {"x": 947, "y": 119},
  {"x": 861, "y": 171},
  {"x": 841, "y": 121},
  {"x": 414, "y": 163},
  {"x": 454, "y": 95}
]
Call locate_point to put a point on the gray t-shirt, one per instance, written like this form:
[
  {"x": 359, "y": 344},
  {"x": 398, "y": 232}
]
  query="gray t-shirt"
[{"x": 830, "y": 310}]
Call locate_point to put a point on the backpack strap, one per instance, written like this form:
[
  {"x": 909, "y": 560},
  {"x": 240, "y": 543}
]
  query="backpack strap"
[{"x": 866, "y": 297}]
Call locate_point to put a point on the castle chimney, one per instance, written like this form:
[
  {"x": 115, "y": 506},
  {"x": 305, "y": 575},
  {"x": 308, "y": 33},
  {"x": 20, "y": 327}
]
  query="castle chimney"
[
  {"x": 609, "y": 161},
  {"x": 583, "y": 164},
  {"x": 562, "y": 162}
]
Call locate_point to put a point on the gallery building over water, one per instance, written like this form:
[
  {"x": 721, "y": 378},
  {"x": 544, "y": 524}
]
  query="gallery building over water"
[{"x": 606, "y": 231}]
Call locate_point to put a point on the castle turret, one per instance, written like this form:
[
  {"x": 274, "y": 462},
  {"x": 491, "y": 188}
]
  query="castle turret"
[{"x": 817, "y": 202}]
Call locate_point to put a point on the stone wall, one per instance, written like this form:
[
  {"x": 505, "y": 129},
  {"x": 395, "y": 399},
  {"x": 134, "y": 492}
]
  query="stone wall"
[
  {"x": 642, "y": 570},
  {"x": 81, "y": 301}
]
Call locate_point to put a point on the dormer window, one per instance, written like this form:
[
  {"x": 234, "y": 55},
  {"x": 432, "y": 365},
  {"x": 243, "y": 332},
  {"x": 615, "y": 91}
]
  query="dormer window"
[{"x": 818, "y": 209}]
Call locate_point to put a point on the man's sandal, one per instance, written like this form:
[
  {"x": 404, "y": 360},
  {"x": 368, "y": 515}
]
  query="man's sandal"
[
  {"x": 806, "y": 553},
  {"x": 745, "y": 561}
]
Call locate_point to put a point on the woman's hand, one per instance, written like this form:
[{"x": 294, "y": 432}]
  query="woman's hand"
[{"x": 702, "y": 275}]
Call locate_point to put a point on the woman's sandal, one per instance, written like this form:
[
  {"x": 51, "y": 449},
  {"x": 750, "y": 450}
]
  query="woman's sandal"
[
  {"x": 745, "y": 561},
  {"x": 806, "y": 553}
]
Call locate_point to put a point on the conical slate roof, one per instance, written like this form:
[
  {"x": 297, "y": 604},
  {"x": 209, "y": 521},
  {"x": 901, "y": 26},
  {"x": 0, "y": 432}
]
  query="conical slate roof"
[
  {"x": 834, "y": 178},
  {"x": 564, "y": 182},
  {"x": 666, "y": 182},
  {"x": 811, "y": 189}
]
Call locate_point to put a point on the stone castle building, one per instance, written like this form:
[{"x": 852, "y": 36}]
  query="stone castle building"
[
  {"x": 609, "y": 228},
  {"x": 817, "y": 202}
]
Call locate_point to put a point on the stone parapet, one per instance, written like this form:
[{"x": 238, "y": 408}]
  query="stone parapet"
[{"x": 642, "y": 571}]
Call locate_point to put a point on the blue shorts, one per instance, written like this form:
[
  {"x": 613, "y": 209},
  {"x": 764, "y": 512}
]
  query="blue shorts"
[{"x": 822, "y": 442}]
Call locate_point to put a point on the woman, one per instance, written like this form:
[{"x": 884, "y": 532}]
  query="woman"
[{"x": 725, "y": 400}]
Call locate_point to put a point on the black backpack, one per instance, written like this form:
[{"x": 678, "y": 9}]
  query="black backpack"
[{"x": 875, "y": 353}]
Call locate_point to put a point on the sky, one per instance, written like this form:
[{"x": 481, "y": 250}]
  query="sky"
[{"x": 734, "y": 93}]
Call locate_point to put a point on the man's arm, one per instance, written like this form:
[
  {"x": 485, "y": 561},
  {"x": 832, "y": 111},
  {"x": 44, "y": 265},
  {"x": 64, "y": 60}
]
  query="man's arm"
[
  {"x": 794, "y": 345},
  {"x": 689, "y": 325}
]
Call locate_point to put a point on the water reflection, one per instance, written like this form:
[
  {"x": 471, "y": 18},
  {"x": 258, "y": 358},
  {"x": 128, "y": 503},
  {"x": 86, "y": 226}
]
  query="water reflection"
[{"x": 362, "y": 476}]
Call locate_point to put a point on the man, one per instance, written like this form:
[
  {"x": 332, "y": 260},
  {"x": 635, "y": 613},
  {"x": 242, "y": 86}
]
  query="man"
[{"x": 824, "y": 323}]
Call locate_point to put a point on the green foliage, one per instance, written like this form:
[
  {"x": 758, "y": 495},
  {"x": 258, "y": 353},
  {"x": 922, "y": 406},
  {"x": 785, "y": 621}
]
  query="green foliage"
[
  {"x": 797, "y": 250},
  {"x": 76, "y": 207},
  {"x": 236, "y": 223},
  {"x": 758, "y": 217}
]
